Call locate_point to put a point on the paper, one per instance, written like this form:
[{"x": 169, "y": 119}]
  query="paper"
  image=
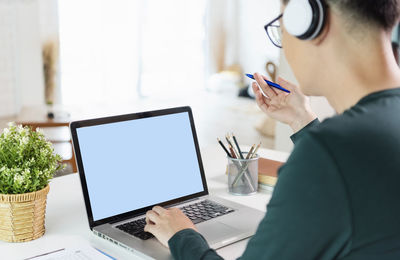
[
  {"x": 68, "y": 248},
  {"x": 84, "y": 252}
]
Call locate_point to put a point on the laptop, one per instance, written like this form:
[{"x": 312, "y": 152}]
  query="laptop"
[{"x": 129, "y": 163}]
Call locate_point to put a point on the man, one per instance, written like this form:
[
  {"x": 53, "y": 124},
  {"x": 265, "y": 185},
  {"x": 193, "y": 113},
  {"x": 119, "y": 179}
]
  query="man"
[{"x": 337, "y": 196}]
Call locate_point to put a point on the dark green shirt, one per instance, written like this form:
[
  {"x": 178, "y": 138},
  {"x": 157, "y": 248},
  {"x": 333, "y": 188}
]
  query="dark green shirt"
[{"x": 337, "y": 196}]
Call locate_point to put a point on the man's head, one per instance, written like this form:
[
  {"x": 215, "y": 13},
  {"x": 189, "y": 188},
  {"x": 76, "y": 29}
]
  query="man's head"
[{"x": 350, "y": 25}]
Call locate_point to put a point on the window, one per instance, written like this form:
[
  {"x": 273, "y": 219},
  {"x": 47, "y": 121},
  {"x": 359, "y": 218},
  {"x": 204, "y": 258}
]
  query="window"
[{"x": 113, "y": 51}]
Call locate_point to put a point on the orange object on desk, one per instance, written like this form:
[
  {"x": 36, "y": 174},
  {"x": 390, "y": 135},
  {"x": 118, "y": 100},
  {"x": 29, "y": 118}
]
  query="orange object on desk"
[{"x": 268, "y": 171}]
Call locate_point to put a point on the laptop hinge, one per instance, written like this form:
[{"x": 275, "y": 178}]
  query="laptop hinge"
[
  {"x": 168, "y": 206},
  {"x": 182, "y": 202},
  {"x": 125, "y": 218}
]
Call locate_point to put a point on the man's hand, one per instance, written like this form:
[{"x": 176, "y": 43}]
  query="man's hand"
[
  {"x": 292, "y": 109},
  {"x": 164, "y": 223}
]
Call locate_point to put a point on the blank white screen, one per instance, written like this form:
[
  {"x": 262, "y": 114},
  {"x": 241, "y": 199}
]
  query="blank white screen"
[{"x": 133, "y": 164}]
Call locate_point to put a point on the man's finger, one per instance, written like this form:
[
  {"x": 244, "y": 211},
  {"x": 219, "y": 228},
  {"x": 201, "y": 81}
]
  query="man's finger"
[
  {"x": 257, "y": 93},
  {"x": 260, "y": 100},
  {"x": 286, "y": 84},
  {"x": 256, "y": 90},
  {"x": 159, "y": 210},
  {"x": 271, "y": 88},
  {"x": 152, "y": 216},
  {"x": 264, "y": 86},
  {"x": 148, "y": 221},
  {"x": 150, "y": 228}
]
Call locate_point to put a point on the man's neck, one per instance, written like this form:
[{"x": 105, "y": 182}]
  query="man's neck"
[{"x": 360, "y": 72}]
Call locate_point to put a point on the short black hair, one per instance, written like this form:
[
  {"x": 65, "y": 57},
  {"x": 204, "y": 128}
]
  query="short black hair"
[{"x": 382, "y": 13}]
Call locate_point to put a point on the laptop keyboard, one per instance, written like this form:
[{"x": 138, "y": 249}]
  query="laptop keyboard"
[
  {"x": 197, "y": 212},
  {"x": 136, "y": 228},
  {"x": 205, "y": 210}
]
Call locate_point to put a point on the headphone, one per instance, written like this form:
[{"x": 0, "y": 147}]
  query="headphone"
[{"x": 304, "y": 19}]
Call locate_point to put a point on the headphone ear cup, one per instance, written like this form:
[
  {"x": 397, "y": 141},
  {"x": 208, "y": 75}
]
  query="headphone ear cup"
[
  {"x": 318, "y": 22},
  {"x": 297, "y": 17},
  {"x": 304, "y": 19}
]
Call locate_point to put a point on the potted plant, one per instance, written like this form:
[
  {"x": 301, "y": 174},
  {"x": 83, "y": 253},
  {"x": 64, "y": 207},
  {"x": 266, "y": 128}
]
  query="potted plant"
[{"x": 27, "y": 163}]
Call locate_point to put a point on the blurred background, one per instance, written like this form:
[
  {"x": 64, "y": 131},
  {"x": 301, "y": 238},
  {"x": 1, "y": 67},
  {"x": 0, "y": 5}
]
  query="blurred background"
[{"x": 62, "y": 60}]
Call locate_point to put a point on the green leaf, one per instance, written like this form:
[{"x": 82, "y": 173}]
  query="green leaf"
[{"x": 27, "y": 160}]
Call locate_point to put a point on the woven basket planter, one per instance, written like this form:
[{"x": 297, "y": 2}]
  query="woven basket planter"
[{"x": 22, "y": 215}]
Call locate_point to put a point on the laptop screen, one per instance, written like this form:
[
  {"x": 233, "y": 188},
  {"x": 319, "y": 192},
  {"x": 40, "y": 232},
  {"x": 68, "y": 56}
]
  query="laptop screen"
[{"x": 133, "y": 164}]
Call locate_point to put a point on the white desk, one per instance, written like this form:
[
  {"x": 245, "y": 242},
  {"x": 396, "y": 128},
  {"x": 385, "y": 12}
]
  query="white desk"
[{"x": 66, "y": 214}]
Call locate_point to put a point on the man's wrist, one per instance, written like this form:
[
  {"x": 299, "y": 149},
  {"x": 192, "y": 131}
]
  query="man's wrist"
[{"x": 302, "y": 121}]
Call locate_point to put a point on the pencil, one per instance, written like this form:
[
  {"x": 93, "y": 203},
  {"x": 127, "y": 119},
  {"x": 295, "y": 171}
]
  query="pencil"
[
  {"x": 223, "y": 147},
  {"x": 237, "y": 145},
  {"x": 255, "y": 151},
  {"x": 250, "y": 152},
  {"x": 232, "y": 152},
  {"x": 245, "y": 173},
  {"x": 230, "y": 143}
]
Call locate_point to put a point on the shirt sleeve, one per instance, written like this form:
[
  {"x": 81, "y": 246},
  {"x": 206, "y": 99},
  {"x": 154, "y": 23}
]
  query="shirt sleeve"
[
  {"x": 308, "y": 216},
  {"x": 189, "y": 244},
  {"x": 297, "y": 136}
]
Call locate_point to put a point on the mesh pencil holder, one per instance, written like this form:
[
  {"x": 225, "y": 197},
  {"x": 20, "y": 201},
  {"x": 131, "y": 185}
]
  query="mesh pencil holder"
[{"x": 22, "y": 215}]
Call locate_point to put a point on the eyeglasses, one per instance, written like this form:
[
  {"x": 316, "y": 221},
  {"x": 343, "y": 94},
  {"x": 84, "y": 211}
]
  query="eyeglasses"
[{"x": 274, "y": 31}]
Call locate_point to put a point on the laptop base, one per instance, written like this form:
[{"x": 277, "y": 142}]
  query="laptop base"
[{"x": 219, "y": 232}]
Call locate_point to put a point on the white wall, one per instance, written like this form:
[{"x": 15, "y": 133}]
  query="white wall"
[
  {"x": 20, "y": 38},
  {"x": 236, "y": 34},
  {"x": 31, "y": 83},
  {"x": 255, "y": 47},
  {"x": 8, "y": 97},
  {"x": 48, "y": 20}
]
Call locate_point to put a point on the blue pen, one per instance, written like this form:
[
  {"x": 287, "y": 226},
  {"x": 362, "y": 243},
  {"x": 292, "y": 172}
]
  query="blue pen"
[{"x": 272, "y": 84}]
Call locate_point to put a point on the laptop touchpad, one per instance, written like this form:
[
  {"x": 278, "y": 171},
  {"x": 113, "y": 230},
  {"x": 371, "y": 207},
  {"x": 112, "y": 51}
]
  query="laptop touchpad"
[{"x": 216, "y": 231}]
